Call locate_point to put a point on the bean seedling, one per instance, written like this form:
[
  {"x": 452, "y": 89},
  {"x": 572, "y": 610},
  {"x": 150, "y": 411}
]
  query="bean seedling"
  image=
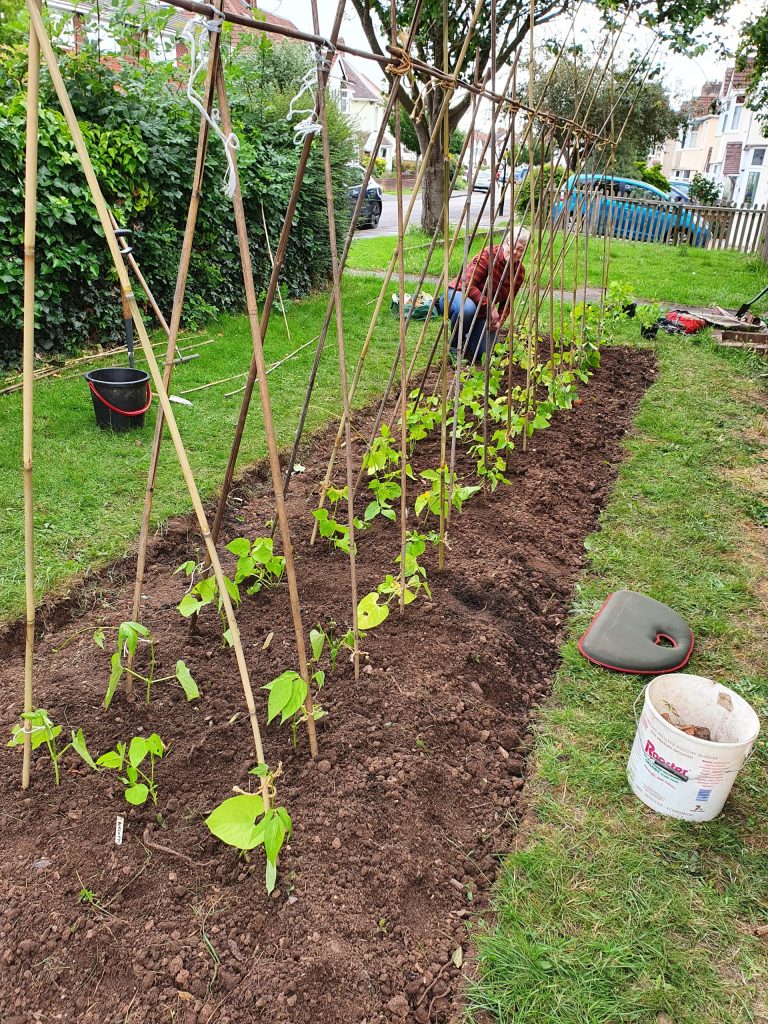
[
  {"x": 129, "y": 634},
  {"x": 287, "y": 697},
  {"x": 41, "y": 732},
  {"x": 242, "y": 822},
  {"x": 128, "y": 759}
]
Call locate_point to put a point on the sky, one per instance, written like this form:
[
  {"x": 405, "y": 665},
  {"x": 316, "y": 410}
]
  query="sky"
[{"x": 683, "y": 76}]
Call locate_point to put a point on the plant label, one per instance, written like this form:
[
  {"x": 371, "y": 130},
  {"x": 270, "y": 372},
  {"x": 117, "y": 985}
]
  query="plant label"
[{"x": 119, "y": 826}]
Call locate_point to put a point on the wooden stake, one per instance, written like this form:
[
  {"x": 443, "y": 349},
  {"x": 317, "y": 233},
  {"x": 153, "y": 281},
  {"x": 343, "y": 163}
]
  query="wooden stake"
[
  {"x": 154, "y": 369},
  {"x": 30, "y": 226},
  {"x": 174, "y": 327},
  {"x": 266, "y": 411}
]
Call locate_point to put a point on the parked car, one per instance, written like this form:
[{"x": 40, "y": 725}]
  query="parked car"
[
  {"x": 482, "y": 180},
  {"x": 623, "y": 206},
  {"x": 680, "y": 191},
  {"x": 370, "y": 211}
]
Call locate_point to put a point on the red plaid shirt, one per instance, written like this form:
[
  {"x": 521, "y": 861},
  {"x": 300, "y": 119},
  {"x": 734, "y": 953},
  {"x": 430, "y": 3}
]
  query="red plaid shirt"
[{"x": 473, "y": 282}]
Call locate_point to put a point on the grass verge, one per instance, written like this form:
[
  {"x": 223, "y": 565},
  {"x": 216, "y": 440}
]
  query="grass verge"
[
  {"x": 608, "y": 913},
  {"x": 89, "y": 485}
]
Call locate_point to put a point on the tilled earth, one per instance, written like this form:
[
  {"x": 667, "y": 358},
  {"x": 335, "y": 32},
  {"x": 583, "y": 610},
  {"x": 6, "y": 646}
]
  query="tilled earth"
[{"x": 399, "y": 825}]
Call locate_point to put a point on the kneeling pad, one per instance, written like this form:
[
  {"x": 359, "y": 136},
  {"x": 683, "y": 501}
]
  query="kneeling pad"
[{"x": 626, "y": 636}]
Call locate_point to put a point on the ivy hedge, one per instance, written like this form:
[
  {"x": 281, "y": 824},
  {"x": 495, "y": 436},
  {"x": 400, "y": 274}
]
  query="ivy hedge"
[{"x": 141, "y": 133}]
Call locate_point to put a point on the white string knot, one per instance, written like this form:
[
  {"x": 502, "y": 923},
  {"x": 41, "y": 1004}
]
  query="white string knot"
[
  {"x": 309, "y": 125},
  {"x": 196, "y": 34}
]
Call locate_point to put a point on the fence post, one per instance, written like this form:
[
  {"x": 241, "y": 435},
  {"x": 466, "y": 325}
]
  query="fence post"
[{"x": 764, "y": 248}]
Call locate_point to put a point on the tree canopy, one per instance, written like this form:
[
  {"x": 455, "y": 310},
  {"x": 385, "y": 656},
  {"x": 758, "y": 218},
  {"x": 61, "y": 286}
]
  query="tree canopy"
[{"x": 673, "y": 20}]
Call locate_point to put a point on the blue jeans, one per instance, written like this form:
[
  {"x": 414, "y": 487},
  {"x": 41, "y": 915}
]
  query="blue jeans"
[{"x": 477, "y": 339}]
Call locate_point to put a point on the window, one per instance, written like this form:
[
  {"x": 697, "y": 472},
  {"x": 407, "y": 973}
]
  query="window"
[
  {"x": 751, "y": 190},
  {"x": 691, "y": 137},
  {"x": 638, "y": 192},
  {"x": 758, "y": 156},
  {"x": 344, "y": 100},
  {"x": 735, "y": 117},
  {"x": 709, "y": 159}
]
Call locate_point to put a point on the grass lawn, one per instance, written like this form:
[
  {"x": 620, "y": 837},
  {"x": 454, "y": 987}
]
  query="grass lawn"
[
  {"x": 653, "y": 272},
  {"x": 607, "y": 912},
  {"x": 89, "y": 485}
]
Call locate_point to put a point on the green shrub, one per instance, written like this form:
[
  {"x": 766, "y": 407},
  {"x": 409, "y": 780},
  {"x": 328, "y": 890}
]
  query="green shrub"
[
  {"x": 141, "y": 134},
  {"x": 542, "y": 176},
  {"x": 379, "y": 167}
]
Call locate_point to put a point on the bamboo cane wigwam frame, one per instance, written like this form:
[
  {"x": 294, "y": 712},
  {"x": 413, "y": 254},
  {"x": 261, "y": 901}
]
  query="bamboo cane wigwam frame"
[{"x": 545, "y": 271}]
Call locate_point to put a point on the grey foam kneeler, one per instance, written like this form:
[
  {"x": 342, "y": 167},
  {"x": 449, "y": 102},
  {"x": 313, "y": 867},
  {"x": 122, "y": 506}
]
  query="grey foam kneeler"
[{"x": 626, "y": 636}]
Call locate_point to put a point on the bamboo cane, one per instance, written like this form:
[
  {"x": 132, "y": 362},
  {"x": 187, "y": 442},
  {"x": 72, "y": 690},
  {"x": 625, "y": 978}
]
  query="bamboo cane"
[
  {"x": 446, "y": 328},
  {"x": 175, "y": 325},
  {"x": 336, "y": 285},
  {"x": 437, "y": 127},
  {"x": 30, "y": 226},
  {"x": 272, "y": 287},
  {"x": 157, "y": 377},
  {"x": 266, "y": 412}
]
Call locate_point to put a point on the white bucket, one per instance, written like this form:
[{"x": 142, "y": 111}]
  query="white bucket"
[{"x": 680, "y": 775}]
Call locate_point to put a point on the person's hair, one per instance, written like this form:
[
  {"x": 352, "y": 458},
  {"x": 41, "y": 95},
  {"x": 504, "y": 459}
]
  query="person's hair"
[{"x": 521, "y": 236}]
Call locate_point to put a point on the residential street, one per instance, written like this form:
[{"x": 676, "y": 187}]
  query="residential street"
[{"x": 388, "y": 222}]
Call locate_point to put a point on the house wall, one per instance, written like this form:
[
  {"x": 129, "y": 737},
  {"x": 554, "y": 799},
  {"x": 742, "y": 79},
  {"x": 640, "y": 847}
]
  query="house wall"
[{"x": 745, "y": 182}]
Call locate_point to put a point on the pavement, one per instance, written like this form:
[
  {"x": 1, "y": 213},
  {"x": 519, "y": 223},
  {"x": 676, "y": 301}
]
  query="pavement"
[{"x": 388, "y": 223}]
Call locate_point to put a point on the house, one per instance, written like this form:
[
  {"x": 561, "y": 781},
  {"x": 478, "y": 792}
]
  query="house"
[
  {"x": 739, "y": 163},
  {"x": 86, "y": 19},
  {"x": 361, "y": 101},
  {"x": 723, "y": 140},
  {"x": 681, "y": 159}
]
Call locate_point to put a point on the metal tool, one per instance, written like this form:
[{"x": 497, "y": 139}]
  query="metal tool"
[{"x": 745, "y": 308}]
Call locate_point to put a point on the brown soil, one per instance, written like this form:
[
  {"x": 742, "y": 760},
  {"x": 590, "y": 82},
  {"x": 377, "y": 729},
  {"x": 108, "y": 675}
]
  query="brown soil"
[{"x": 400, "y": 824}]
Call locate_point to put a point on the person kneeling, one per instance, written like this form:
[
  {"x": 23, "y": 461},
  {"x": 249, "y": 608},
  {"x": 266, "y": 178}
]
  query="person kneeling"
[{"x": 471, "y": 316}]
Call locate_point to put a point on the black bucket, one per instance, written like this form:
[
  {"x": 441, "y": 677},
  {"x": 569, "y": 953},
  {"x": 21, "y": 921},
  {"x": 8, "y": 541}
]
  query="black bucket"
[{"x": 121, "y": 397}]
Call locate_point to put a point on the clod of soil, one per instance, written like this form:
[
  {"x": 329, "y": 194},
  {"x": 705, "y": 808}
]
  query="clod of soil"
[
  {"x": 701, "y": 732},
  {"x": 399, "y": 827}
]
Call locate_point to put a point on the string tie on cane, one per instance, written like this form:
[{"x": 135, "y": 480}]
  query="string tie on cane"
[
  {"x": 196, "y": 33},
  {"x": 309, "y": 125},
  {"x": 403, "y": 64}
]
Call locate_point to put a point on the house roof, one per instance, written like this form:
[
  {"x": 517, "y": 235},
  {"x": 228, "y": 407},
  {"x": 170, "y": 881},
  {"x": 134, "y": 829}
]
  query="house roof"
[
  {"x": 243, "y": 8},
  {"x": 736, "y": 80},
  {"x": 362, "y": 87}
]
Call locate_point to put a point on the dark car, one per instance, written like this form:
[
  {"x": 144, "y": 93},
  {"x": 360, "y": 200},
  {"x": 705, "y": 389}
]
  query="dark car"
[{"x": 370, "y": 211}]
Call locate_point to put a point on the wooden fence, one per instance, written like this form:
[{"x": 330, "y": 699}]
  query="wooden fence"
[{"x": 744, "y": 229}]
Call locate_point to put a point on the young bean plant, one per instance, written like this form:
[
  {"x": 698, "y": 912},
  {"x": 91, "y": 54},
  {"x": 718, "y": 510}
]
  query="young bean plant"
[
  {"x": 129, "y": 635},
  {"x": 258, "y": 568},
  {"x": 42, "y": 732},
  {"x": 329, "y": 526},
  {"x": 243, "y": 822},
  {"x": 127, "y": 760}
]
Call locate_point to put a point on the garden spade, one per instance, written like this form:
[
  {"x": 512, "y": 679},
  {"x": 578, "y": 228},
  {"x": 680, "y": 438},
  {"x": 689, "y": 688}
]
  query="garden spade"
[{"x": 745, "y": 308}]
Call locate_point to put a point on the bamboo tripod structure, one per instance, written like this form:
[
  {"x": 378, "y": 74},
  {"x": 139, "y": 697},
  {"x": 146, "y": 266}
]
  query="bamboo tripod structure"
[
  {"x": 449, "y": 81},
  {"x": 40, "y": 33}
]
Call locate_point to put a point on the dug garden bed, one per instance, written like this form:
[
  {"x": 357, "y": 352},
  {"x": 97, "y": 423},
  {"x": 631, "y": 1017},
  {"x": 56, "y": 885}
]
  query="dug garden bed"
[{"x": 399, "y": 825}]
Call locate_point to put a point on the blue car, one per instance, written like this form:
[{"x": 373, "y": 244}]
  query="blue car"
[{"x": 630, "y": 209}]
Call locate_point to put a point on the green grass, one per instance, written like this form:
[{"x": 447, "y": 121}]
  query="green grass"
[
  {"x": 89, "y": 484},
  {"x": 653, "y": 272},
  {"x": 609, "y": 913},
  {"x": 375, "y": 253}
]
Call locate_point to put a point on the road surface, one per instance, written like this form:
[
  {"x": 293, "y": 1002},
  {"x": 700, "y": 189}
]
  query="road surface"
[{"x": 388, "y": 222}]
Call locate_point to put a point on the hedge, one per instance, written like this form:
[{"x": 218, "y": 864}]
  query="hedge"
[{"x": 142, "y": 134}]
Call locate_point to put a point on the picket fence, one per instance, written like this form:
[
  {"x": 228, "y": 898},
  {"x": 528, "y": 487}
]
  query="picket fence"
[{"x": 741, "y": 228}]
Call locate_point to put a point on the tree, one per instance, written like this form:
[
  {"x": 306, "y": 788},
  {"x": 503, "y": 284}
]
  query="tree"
[
  {"x": 653, "y": 174},
  {"x": 672, "y": 19},
  {"x": 704, "y": 191},
  {"x": 752, "y": 57},
  {"x": 627, "y": 101}
]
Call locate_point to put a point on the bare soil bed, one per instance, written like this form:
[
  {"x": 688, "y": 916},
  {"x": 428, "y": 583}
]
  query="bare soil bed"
[{"x": 398, "y": 827}]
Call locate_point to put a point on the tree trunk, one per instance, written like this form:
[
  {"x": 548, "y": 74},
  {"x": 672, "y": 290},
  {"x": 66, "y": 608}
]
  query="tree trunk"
[{"x": 432, "y": 191}]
